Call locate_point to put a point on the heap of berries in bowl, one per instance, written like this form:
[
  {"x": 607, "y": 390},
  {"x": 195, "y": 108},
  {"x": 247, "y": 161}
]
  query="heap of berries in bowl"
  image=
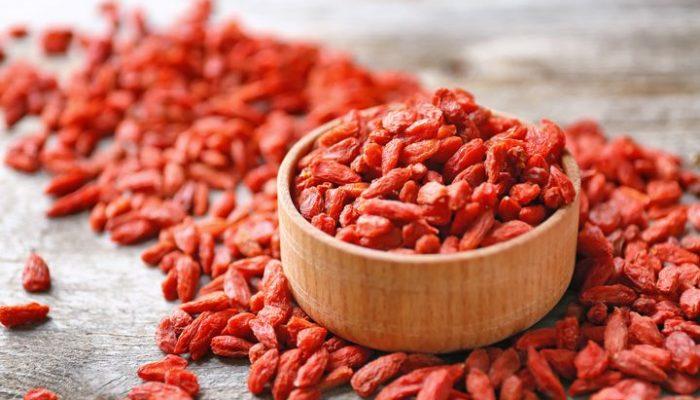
[{"x": 432, "y": 175}]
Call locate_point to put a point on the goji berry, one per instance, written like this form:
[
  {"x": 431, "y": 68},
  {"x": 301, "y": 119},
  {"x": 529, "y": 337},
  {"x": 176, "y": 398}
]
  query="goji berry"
[
  {"x": 158, "y": 390},
  {"x": 591, "y": 361},
  {"x": 186, "y": 380},
  {"x": 311, "y": 372},
  {"x": 40, "y": 394},
  {"x": 170, "y": 328},
  {"x": 289, "y": 364},
  {"x": 561, "y": 361},
  {"x": 337, "y": 377},
  {"x": 368, "y": 378},
  {"x": 23, "y": 314},
  {"x": 349, "y": 356},
  {"x": 437, "y": 386},
  {"x": 156, "y": 370},
  {"x": 504, "y": 366},
  {"x": 36, "y": 276},
  {"x": 262, "y": 371},
  {"x": 631, "y": 363},
  {"x": 545, "y": 379},
  {"x": 305, "y": 394}
]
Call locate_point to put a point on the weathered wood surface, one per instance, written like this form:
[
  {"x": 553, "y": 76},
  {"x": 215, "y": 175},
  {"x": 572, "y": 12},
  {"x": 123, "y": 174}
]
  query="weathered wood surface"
[{"x": 633, "y": 65}]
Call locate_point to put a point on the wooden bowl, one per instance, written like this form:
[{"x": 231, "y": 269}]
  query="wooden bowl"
[{"x": 424, "y": 303}]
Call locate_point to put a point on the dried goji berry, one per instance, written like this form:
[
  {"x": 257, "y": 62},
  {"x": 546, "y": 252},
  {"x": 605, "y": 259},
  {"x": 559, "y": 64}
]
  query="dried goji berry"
[
  {"x": 288, "y": 368},
  {"x": 186, "y": 380},
  {"x": 644, "y": 330},
  {"x": 262, "y": 371},
  {"x": 349, "y": 356},
  {"x": 35, "y": 275},
  {"x": 415, "y": 361},
  {"x": 311, "y": 372},
  {"x": 80, "y": 200},
  {"x": 55, "y": 41},
  {"x": 209, "y": 327},
  {"x": 684, "y": 355},
  {"x": 561, "y": 361},
  {"x": 411, "y": 383},
  {"x": 479, "y": 386},
  {"x": 504, "y": 366},
  {"x": 188, "y": 273},
  {"x": 310, "y": 339},
  {"x": 170, "y": 328},
  {"x": 631, "y": 363},
  {"x": 582, "y": 386},
  {"x": 156, "y": 370},
  {"x": 23, "y": 314},
  {"x": 305, "y": 394},
  {"x": 158, "y": 390},
  {"x": 511, "y": 389},
  {"x": 437, "y": 386},
  {"x": 616, "y": 332},
  {"x": 40, "y": 394},
  {"x": 368, "y": 378},
  {"x": 235, "y": 287},
  {"x": 617, "y": 295},
  {"x": 545, "y": 379},
  {"x": 537, "y": 338},
  {"x": 659, "y": 356},
  {"x": 591, "y": 362}
]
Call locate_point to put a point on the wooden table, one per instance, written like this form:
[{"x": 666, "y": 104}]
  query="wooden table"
[{"x": 635, "y": 67}]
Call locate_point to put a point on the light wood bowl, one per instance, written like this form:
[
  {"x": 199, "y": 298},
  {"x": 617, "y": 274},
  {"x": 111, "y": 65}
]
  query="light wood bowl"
[{"x": 424, "y": 303}]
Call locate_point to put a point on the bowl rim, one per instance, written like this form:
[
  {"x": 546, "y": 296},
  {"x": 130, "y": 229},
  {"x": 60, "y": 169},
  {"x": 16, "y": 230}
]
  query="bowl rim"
[{"x": 287, "y": 171}]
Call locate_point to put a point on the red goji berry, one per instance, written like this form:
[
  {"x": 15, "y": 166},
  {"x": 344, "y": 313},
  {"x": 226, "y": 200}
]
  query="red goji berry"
[
  {"x": 545, "y": 379},
  {"x": 40, "y": 394},
  {"x": 437, "y": 386},
  {"x": 23, "y": 314},
  {"x": 591, "y": 362},
  {"x": 158, "y": 390},
  {"x": 35, "y": 275},
  {"x": 311, "y": 372},
  {"x": 262, "y": 371},
  {"x": 156, "y": 370},
  {"x": 368, "y": 378}
]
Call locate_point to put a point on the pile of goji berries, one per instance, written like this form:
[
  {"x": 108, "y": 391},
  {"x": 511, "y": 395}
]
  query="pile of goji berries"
[
  {"x": 428, "y": 177},
  {"x": 197, "y": 107}
]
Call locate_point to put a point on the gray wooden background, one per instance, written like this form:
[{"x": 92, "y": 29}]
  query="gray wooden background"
[{"x": 633, "y": 65}]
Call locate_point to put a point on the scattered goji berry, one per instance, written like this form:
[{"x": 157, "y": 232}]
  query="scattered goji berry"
[
  {"x": 262, "y": 371},
  {"x": 311, "y": 372},
  {"x": 368, "y": 378},
  {"x": 40, "y": 394},
  {"x": 184, "y": 379},
  {"x": 437, "y": 386},
  {"x": 591, "y": 361},
  {"x": 478, "y": 385},
  {"x": 547, "y": 382},
  {"x": 23, "y": 314},
  {"x": 158, "y": 390},
  {"x": 289, "y": 366},
  {"x": 156, "y": 370},
  {"x": 36, "y": 276}
]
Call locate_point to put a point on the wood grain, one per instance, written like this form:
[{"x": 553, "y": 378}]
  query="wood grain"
[
  {"x": 432, "y": 303},
  {"x": 635, "y": 65}
]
